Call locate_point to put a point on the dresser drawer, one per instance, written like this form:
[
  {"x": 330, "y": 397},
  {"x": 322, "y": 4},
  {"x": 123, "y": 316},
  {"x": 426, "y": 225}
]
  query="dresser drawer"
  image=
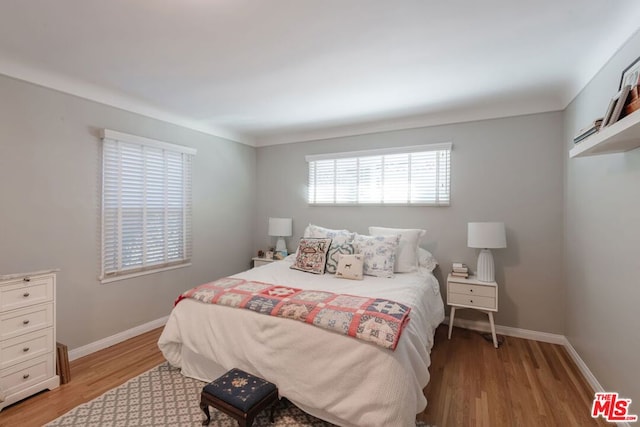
[
  {"x": 20, "y": 294},
  {"x": 479, "y": 290},
  {"x": 472, "y": 301},
  {"x": 24, "y": 320},
  {"x": 25, "y": 347},
  {"x": 26, "y": 374}
]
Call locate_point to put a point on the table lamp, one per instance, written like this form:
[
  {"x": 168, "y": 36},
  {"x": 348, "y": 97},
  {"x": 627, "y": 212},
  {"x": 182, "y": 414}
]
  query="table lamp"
[
  {"x": 486, "y": 236},
  {"x": 280, "y": 228}
]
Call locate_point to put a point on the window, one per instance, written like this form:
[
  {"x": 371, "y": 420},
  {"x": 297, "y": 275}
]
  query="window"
[
  {"x": 417, "y": 175},
  {"x": 146, "y": 205}
]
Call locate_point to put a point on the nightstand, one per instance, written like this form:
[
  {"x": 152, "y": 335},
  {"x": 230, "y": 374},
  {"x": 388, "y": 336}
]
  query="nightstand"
[
  {"x": 257, "y": 261},
  {"x": 472, "y": 293}
]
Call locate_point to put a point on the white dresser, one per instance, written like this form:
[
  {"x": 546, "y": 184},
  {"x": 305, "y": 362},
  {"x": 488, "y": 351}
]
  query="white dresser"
[{"x": 27, "y": 335}]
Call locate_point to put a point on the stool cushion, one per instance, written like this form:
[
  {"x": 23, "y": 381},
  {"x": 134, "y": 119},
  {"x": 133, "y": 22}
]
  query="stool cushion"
[{"x": 239, "y": 389}]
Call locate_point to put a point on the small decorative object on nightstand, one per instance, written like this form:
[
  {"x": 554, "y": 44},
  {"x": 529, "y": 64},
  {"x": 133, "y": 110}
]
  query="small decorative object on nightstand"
[
  {"x": 257, "y": 261},
  {"x": 472, "y": 293}
]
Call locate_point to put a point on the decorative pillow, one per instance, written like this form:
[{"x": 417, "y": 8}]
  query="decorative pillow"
[
  {"x": 379, "y": 253},
  {"x": 341, "y": 243},
  {"x": 334, "y": 254},
  {"x": 407, "y": 257},
  {"x": 312, "y": 255},
  {"x": 426, "y": 260},
  {"x": 350, "y": 266}
]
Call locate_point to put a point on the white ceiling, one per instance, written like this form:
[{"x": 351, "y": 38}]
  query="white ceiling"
[{"x": 274, "y": 71}]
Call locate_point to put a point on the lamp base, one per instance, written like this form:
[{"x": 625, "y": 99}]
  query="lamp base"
[
  {"x": 486, "y": 270},
  {"x": 281, "y": 247}
]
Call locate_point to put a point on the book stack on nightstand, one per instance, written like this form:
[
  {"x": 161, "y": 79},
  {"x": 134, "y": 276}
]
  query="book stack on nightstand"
[{"x": 460, "y": 270}]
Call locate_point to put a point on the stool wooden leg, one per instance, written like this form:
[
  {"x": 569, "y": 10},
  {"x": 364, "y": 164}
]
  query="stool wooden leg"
[
  {"x": 273, "y": 408},
  {"x": 205, "y": 408}
]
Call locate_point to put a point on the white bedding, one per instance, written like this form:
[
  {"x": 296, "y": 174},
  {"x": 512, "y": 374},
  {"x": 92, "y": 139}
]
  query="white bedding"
[{"x": 337, "y": 378}]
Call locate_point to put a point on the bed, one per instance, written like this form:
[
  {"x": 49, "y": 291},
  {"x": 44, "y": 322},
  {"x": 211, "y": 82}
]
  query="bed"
[{"x": 337, "y": 378}]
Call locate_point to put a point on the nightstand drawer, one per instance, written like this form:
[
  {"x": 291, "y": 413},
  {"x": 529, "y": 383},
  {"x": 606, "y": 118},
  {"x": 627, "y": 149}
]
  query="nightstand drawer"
[
  {"x": 488, "y": 303},
  {"x": 479, "y": 290}
]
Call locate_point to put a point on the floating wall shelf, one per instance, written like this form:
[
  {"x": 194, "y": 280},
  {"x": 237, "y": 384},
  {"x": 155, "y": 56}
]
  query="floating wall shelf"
[{"x": 623, "y": 135}]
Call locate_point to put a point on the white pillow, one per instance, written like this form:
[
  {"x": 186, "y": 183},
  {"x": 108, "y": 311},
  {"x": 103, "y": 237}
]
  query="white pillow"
[
  {"x": 407, "y": 257},
  {"x": 426, "y": 260},
  {"x": 379, "y": 253}
]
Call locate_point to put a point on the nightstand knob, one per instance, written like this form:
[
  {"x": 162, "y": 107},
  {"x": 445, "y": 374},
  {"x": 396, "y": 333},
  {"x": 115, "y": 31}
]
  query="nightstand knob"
[
  {"x": 25, "y": 376},
  {"x": 26, "y": 294},
  {"x": 470, "y": 290},
  {"x": 470, "y": 300}
]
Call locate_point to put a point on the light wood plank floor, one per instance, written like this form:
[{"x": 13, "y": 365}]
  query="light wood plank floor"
[{"x": 523, "y": 383}]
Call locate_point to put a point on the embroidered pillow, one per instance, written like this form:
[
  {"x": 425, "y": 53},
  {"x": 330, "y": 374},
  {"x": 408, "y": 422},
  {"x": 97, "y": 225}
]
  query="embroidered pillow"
[
  {"x": 407, "y": 256},
  {"x": 312, "y": 255},
  {"x": 350, "y": 267},
  {"x": 341, "y": 243},
  {"x": 379, "y": 253}
]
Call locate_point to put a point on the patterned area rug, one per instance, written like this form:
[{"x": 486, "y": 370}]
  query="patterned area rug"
[{"x": 164, "y": 397}]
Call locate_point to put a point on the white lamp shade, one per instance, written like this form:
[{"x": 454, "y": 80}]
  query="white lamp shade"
[
  {"x": 486, "y": 235},
  {"x": 280, "y": 227}
]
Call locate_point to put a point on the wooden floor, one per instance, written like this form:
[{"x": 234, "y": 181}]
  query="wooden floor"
[{"x": 523, "y": 383}]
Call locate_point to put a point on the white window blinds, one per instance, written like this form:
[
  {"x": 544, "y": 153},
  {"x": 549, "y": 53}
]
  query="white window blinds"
[
  {"x": 146, "y": 205},
  {"x": 417, "y": 175}
]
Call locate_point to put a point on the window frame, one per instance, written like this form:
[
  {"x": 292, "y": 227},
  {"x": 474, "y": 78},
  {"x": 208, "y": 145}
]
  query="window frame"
[
  {"x": 444, "y": 146},
  {"x": 111, "y": 136}
]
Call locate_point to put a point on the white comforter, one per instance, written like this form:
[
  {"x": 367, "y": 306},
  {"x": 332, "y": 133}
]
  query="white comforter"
[{"x": 337, "y": 378}]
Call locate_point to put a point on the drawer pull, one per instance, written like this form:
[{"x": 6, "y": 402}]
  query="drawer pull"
[
  {"x": 26, "y": 294},
  {"x": 471, "y": 290},
  {"x": 25, "y": 322},
  {"x": 471, "y": 301},
  {"x": 27, "y": 279},
  {"x": 25, "y": 376},
  {"x": 25, "y": 349}
]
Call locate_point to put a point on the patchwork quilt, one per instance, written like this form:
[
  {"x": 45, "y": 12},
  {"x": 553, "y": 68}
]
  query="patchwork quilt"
[{"x": 379, "y": 321}]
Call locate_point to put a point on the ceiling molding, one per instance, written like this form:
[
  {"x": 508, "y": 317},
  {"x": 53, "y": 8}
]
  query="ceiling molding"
[
  {"x": 404, "y": 123},
  {"x": 112, "y": 98}
]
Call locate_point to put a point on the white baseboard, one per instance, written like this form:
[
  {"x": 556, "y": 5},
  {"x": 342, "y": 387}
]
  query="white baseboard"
[
  {"x": 117, "y": 338},
  {"x": 483, "y": 326}
]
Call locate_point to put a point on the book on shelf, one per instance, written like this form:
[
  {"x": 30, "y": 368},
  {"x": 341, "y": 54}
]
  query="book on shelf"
[{"x": 588, "y": 130}]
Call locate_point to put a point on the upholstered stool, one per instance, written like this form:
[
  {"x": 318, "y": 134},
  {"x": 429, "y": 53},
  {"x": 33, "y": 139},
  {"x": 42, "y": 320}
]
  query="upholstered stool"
[{"x": 239, "y": 395}]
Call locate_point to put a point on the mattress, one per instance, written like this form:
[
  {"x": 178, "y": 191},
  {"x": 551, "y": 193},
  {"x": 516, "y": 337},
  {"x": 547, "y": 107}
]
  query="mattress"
[{"x": 334, "y": 377}]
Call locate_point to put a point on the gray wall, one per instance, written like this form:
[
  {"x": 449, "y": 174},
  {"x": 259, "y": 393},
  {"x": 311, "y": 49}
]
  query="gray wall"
[
  {"x": 502, "y": 170},
  {"x": 602, "y": 235},
  {"x": 50, "y": 217}
]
